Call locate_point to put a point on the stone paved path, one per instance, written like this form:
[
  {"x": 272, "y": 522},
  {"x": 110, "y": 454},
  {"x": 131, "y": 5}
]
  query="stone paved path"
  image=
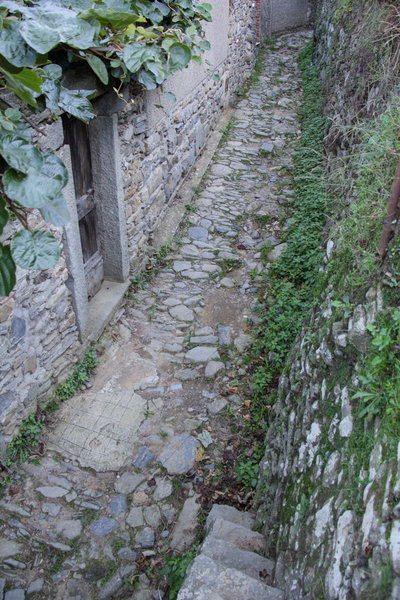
[{"x": 107, "y": 495}]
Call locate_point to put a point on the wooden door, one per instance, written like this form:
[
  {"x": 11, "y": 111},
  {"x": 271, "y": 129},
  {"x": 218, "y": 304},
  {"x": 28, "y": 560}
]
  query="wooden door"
[{"x": 77, "y": 137}]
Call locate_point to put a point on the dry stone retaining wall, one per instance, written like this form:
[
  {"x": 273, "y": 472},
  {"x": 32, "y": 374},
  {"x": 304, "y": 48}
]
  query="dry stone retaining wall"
[{"x": 334, "y": 531}]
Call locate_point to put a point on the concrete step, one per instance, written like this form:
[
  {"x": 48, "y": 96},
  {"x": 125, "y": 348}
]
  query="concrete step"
[
  {"x": 229, "y": 513},
  {"x": 219, "y": 581},
  {"x": 227, "y": 554},
  {"x": 241, "y": 537}
]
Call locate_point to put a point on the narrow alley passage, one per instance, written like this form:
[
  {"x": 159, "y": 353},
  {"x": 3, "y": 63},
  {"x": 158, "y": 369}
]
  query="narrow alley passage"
[{"x": 123, "y": 456}]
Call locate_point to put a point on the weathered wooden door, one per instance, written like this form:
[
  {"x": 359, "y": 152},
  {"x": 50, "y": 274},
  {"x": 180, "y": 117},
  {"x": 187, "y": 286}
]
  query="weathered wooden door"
[{"x": 77, "y": 137}]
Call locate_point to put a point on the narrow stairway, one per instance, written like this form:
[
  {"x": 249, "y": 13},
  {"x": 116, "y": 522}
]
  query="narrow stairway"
[{"x": 230, "y": 565}]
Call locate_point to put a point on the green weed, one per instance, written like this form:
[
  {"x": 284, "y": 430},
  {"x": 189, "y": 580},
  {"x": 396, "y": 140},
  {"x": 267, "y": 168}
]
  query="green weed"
[
  {"x": 78, "y": 378},
  {"x": 27, "y": 437},
  {"x": 175, "y": 570}
]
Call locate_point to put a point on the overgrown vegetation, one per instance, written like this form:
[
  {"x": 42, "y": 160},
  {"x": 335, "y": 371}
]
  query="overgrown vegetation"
[
  {"x": 27, "y": 437},
  {"x": 289, "y": 290},
  {"x": 175, "y": 570},
  {"x": 79, "y": 376}
]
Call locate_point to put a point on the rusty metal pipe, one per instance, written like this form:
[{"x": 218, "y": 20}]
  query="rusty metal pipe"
[{"x": 392, "y": 215}]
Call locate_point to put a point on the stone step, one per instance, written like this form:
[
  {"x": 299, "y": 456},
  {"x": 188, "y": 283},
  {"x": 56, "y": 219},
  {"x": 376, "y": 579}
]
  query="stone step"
[
  {"x": 229, "y": 513},
  {"x": 217, "y": 581},
  {"x": 227, "y": 554},
  {"x": 241, "y": 537}
]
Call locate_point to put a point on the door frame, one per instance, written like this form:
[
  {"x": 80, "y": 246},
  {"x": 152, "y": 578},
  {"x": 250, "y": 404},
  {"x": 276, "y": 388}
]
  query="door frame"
[{"x": 111, "y": 218}]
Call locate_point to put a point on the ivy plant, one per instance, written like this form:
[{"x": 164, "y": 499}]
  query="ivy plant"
[{"x": 121, "y": 41}]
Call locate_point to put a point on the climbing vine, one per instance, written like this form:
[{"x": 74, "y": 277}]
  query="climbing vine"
[{"x": 121, "y": 41}]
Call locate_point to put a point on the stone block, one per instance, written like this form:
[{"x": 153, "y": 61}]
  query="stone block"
[
  {"x": 239, "y": 536},
  {"x": 230, "y": 513},
  {"x": 231, "y": 556},
  {"x": 229, "y": 583}
]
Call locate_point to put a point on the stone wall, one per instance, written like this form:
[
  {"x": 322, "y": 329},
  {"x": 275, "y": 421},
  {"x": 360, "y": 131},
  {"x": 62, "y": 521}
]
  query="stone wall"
[
  {"x": 159, "y": 146},
  {"x": 47, "y": 323},
  {"x": 286, "y": 14},
  {"x": 333, "y": 530}
]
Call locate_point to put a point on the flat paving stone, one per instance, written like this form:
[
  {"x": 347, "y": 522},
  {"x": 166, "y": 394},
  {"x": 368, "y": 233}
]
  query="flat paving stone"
[
  {"x": 9, "y": 548},
  {"x": 69, "y": 528},
  {"x": 135, "y": 517},
  {"x": 117, "y": 505},
  {"x": 180, "y": 454},
  {"x": 103, "y": 526},
  {"x": 202, "y": 354},
  {"x": 198, "y": 233},
  {"x": 52, "y": 491},
  {"x": 143, "y": 458},
  {"x": 163, "y": 489},
  {"x": 128, "y": 482},
  {"x": 182, "y": 313},
  {"x": 145, "y": 538},
  {"x": 51, "y": 509}
]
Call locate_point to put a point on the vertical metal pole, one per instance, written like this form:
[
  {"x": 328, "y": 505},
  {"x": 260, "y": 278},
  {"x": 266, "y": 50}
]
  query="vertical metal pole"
[{"x": 392, "y": 215}]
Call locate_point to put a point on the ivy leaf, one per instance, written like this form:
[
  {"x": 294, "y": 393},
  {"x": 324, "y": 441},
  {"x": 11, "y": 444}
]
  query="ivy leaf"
[
  {"x": 39, "y": 36},
  {"x": 76, "y": 103},
  {"x": 97, "y": 65},
  {"x": 204, "y": 438},
  {"x": 53, "y": 71},
  {"x": 197, "y": 59},
  {"x": 20, "y": 154},
  {"x": 47, "y": 25},
  {"x": 170, "y": 96},
  {"x": 19, "y": 88},
  {"x": 3, "y": 215},
  {"x": 54, "y": 167},
  {"x": 179, "y": 56},
  {"x": 36, "y": 249},
  {"x": 7, "y": 271},
  {"x": 29, "y": 79},
  {"x": 154, "y": 11},
  {"x": 134, "y": 56},
  {"x": 33, "y": 190},
  {"x": 14, "y": 48},
  {"x": 56, "y": 211},
  {"x": 115, "y": 19},
  {"x": 147, "y": 79},
  {"x": 204, "y": 45}
]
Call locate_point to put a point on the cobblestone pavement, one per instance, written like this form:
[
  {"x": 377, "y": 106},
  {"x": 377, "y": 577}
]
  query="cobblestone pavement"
[{"x": 113, "y": 491}]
